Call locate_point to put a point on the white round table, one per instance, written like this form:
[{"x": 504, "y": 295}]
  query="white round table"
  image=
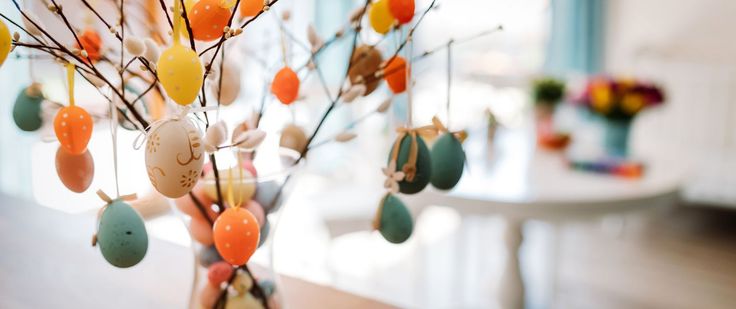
[{"x": 512, "y": 179}]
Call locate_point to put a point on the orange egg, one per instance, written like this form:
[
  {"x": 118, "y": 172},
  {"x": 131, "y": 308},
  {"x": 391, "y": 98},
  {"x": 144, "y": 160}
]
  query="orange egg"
[
  {"x": 236, "y": 234},
  {"x": 249, "y": 8},
  {"x": 201, "y": 231},
  {"x": 395, "y": 74},
  {"x": 285, "y": 85},
  {"x": 92, "y": 43},
  {"x": 73, "y": 127},
  {"x": 207, "y": 19},
  {"x": 75, "y": 171},
  {"x": 402, "y": 10},
  {"x": 187, "y": 205}
]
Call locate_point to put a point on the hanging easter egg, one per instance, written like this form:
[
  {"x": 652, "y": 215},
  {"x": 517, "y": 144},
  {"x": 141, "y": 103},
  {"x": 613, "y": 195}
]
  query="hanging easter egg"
[
  {"x": 380, "y": 17},
  {"x": 91, "y": 42},
  {"x": 208, "y": 256},
  {"x": 174, "y": 157},
  {"x": 180, "y": 72},
  {"x": 75, "y": 171},
  {"x": 268, "y": 287},
  {"x": 219, "y": 272},
  {"x": 448, "y": 162},
  {"x": 267, "y": 194},
  {"x": 73, "y": 128},
  {"x": 227, "y": 88},
  {"x": 402, "y": 10},
  {"x": 209, "y": 295},
  {"x": 208, "y": 18},
  {"x": 188, "y": 205},
  {"x": 366, "y": 62},
  {"x": 243, "y": 190},
  {"x": 5, "y": 42},
  {"x": 27, "y": 108},
  {"x": 250, "y": 8},
  {"x": 423, "y": 166},
  {"x": 395, "y": 74},
  {"x": 285, "y": 85},
  {"x": 236, "y": 233},
  {"x": 257, "y": 211},
  {"x": 293, "y": 137},
  {"x": 122, "y": 235},
  {"x": 393, "y": 220},
  {"x": 201, "y": 231}
]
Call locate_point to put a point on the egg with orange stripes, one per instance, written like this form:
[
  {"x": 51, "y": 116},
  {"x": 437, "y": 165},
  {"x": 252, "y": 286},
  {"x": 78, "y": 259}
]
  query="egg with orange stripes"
[
  {"x": 73, "y": 128},
  {"x": 208, "y": 18},
  {"x": 236, "y": 233}
]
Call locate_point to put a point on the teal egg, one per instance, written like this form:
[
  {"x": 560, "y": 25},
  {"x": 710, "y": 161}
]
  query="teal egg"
[
  {"x": 424, "y": 165},
  {"x": 395, "y": 222},
  {"x": 122, "y": 235},
  {"x": 448, "y": 162},
  {"x": 27, "y": 108}
]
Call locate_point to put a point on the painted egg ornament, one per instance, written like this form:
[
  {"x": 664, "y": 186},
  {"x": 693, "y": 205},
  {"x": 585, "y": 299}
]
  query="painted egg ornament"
[
  {"x": 380, "y": 16},
  {"x": 366, "y": 61},
  {"x": 5, "y": 42},
  {"x": 73, "y": 127},
  {"x": 208, "y": 256},
  {"x": 293, "y": 137},
  {"x": 209, "y": 295},
  {"x": 75, "y": 171},
  {"x": 180, "y": 72},
  {"x": 219, "y": 272},
  {"x": 268, "y": 287},
  {"x": 122, "y": 235},
  {"x": 201, "y": 231},
  {"x": 229, "y": 85},
  {"x": 208, "y": 18},
  {"x": 174, "y": 157},
  {"x": 285, "y": 85},
  {"x": 237, "y": 234},
  {"x": 423, "y": 165},
  {"x": 27, "y": 108},
  {"x": 402, "y": 10},
  {"x": 91, "y": 43},
  {"x": 242, "y": 190},
  {"x": 393, "y": 220},
  {"x": 250, "y": 8},
  {"x": 395, "y": 74},
  {"x": 448, "y": 162}
]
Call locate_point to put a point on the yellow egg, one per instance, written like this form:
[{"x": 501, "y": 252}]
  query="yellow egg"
[
  {"x": 4, "y": 42},
  {"x": 181, "y": 73},
  {"x": 380, "y": 17}
]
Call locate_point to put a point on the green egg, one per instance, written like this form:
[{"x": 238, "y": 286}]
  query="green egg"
[
  {"x": 448, "y": 162},
  {"x": 424, "y": 165},
  {"x": 27, "y": 109},
  {"x": 396, "y": 224},
  {"x": 122, "y": 235}
]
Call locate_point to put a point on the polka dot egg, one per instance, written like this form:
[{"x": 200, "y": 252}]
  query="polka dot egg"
[
  {"x": 73, "y": 128},
  {"x": 181, "y": 74},
  {"x": 208, "y": 19},
  {"x": 236, "y": 234}
]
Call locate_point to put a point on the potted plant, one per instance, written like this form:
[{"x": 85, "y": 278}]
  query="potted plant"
[{"x": 547, "y": 93}]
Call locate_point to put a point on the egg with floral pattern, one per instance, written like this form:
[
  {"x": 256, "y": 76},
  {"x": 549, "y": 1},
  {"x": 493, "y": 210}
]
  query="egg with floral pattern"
[{"x": 174, "y": 157}]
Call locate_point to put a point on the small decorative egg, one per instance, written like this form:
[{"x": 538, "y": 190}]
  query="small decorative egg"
[
  {"x": 236, "y": 233},
  {"x": 208, "y": 19},
  {"x": 187, "y": 205},
  {"x": 285, "y": 85},
  {"x": 209, "y": 295},
  {"x": 91, "y": 43},
  {"x": 219, "y": 272},
  {"x": 242, "y": 190},
  {"x": 265, "y": 229},
  {"x": 423, "y": 165},
  {"x": 174, "y": 157},
  {"x": 448, "y": 162},
  {"x": 395, "y": 74},
  {"x": 293, "y": 137},
  {"x": 201, "y": 231},
  {"x": 73, "y": 127},
  {"x": 242, "y": 283},
  {"x": 230, "y": 88},
  {"x": 250, "y": 8},
  {"x": 257, "y": 211},
  {"x": 268, "y": 287},
  {"x": 394, "y": 220},
  {"x": 5, "y": 42},
  {"x": 366, "y": 62},
  {"x": 75, "y": 171},
  {"x": 208, "y": 256},
  {"x": 380, "y": 16},
  {"x": 266, "y": 195},
  {"x": 122, "y": 235},
  {"x": 27, "y": 108},
  {"x": 402, "y": 10},
  {"x": 180, "y": 72}
]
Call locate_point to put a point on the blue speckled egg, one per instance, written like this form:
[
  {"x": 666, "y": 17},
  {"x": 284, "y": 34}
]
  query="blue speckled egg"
[{"x": 122, "y": 235}]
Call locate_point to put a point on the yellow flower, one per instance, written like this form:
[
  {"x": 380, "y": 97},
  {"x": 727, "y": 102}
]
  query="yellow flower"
[
  {"x": 632, "y": 103},
  {"x": 601, "y": 97}
]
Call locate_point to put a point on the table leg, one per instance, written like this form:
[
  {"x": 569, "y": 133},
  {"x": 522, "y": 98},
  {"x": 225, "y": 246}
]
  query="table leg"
[{"x": 512, "y": 285}]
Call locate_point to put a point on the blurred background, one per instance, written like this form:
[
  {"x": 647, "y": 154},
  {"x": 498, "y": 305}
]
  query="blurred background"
[{"x": 600, "y": 173}]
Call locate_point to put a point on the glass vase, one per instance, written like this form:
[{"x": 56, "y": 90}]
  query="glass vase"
[{"x": 616, "y": 137}]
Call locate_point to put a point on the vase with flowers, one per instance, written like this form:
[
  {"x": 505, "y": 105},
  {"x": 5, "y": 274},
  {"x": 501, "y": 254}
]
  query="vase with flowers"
[{"x": 618, "y": 101}]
